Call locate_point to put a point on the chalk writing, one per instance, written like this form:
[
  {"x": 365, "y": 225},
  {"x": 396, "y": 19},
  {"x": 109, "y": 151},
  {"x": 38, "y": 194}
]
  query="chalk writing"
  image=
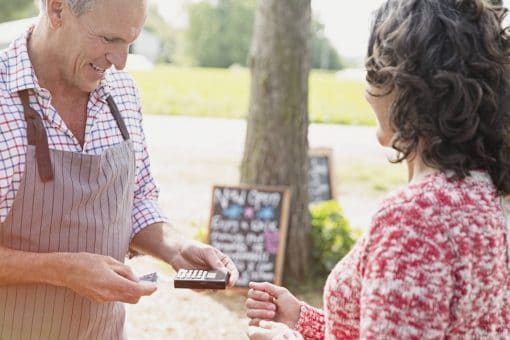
[{"x": 245, "y": 224}]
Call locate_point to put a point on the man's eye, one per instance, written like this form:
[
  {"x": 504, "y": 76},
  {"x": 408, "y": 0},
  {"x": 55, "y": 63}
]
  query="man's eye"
[{"x": 107, "y": 40}]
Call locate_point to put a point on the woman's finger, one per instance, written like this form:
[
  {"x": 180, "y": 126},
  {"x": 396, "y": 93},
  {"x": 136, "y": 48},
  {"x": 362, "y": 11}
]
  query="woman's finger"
[
  {"x": 267, "y": 287},
  {"x": 269, "y": 324},
  {"x": 254, "y": 322},
  {"x": 260, "y": 314},
  {"x": 256, "y": 304},
  {"x": 259, "y": 295}
]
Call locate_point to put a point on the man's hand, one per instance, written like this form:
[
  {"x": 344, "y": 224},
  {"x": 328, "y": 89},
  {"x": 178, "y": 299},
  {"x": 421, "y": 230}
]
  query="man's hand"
[
  {"x": 102, "y": 278},
  {"x": 196, "y": 255},
  {"x": 162, "y": 241}
]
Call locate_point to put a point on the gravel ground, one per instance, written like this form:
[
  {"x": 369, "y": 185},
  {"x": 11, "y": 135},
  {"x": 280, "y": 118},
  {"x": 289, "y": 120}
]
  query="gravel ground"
[{"x": 189, "y": 156}]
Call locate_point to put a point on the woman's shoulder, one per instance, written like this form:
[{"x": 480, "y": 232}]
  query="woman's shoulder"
[
  {"x": 436, "y": 195},
  {"x": 441, "y": 188}
]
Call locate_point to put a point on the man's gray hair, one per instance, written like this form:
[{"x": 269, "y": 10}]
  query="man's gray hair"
[{"x": 79, "y": 7}]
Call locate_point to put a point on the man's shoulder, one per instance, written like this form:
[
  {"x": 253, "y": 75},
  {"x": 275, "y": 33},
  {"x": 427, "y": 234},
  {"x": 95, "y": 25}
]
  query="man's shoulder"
[
  {"x": 4, "y": 62},
  {"x": 120, "y": 81},
  {"x": 12, "y": 60},
  {"x": 123, "y": 89}
]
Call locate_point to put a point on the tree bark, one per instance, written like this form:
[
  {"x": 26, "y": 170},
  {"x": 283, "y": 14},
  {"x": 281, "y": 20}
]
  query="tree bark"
[{"x": 276, "y": 144}]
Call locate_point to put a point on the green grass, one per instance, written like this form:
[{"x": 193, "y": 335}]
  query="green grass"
[
  {"x": 207, "y": 92},
  {"x": 372, "y": 178},
  {"x": 340, "y": 101}
]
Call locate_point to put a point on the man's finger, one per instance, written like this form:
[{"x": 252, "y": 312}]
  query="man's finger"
[
  {"x": 223, "y": 262},
  {"x": 125, "y": 271},
  {"x": 147, "y": 288}
]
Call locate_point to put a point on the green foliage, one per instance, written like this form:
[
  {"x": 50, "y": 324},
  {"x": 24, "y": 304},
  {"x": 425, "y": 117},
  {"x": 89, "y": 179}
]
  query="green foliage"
[
  {"x": 331, "y": 235},
  {"x": 17, "y": 9},
  {"x": 323, "y": 55},
  {"x": 219, "y": 34},
  {"x": 202, "y": 233},
  {"x": 157, "y": 25},
  {"x": 208, "y": 92}
]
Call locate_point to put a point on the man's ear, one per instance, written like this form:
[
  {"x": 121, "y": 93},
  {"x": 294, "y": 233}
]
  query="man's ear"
[{"x": 54, "y": 10}]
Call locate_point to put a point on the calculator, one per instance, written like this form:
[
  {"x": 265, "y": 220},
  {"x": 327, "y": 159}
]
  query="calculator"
[{"x": 201, "y": 279}]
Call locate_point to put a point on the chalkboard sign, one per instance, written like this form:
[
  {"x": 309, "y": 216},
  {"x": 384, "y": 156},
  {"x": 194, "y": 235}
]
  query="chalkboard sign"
[
  {"x": 249, "y": 224},
  {"x": 320, "y": 174}
]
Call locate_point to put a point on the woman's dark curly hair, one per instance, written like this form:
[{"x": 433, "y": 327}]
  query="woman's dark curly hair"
[{"x": 449, "y": 61}]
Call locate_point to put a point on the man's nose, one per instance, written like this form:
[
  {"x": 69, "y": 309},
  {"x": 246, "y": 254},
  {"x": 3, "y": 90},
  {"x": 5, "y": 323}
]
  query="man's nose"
[{"x": 118, "y": 56}]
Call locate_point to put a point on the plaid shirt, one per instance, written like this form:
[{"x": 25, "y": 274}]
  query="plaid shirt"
[{"x": 102, "y": 132}]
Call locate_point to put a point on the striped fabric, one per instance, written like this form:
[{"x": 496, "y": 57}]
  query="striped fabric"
[
  {"x": 85, "y": 209},
  {"x": 16, "y": 74}
]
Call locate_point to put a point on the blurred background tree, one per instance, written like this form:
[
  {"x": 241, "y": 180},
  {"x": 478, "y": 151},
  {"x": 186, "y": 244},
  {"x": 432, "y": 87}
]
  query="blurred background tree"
[
  {"x": 167, "y": 35},
  {"x": 16, "y": 9},
  {"x": 219, "y": 35},
  {"x": 322, "y": 53},
  {"x": 276, "y": 147}
]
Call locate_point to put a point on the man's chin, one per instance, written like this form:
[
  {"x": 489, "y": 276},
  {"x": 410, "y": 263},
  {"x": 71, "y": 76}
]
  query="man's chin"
[{"x": 90, "y": 86}]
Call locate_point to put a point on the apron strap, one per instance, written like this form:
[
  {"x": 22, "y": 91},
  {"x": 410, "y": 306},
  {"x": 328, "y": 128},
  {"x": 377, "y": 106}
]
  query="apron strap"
[
  {"x": 118, "y": 118},
  {"x": 36, "y": 135}
]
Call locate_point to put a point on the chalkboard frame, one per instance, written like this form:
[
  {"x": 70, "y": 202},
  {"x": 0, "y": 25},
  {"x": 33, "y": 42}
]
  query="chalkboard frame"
[
  {"x": 283, "y": 224},
  {"x": 328, "y": 153}
]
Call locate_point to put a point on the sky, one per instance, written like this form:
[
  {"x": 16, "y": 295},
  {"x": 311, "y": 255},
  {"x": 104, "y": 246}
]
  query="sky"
[
  {"x": 346, "y": 22},
  {"x": 345, "y": 26}
]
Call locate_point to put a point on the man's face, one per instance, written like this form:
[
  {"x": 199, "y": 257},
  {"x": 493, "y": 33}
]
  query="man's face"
[{"x": 96, "y": 40}]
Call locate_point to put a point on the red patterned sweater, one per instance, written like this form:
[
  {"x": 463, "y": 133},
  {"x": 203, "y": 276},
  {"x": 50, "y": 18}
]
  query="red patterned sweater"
[{"x": 434, "y": 264}]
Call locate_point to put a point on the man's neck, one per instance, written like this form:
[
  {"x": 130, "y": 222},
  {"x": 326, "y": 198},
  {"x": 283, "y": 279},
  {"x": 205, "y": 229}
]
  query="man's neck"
[{"x": 41, "y": 46}]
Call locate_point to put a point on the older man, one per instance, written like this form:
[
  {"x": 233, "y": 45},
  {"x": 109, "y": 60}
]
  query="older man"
[{"x": 76, "y": 191}]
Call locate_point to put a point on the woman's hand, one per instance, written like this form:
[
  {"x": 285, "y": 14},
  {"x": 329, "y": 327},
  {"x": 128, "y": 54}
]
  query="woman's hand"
[
  {"x": 267, "y": 301},
  {"x": 268, "y": 330}
]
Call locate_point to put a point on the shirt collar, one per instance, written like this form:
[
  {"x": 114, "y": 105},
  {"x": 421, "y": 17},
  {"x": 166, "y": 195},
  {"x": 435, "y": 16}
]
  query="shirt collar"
[{"x": 21, "y": 74}]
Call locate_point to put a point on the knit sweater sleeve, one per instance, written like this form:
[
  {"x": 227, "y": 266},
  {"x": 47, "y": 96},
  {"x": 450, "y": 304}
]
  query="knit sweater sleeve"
[
  {"x": 407, "y": 281},
  {"x": 311, "y": 322}
]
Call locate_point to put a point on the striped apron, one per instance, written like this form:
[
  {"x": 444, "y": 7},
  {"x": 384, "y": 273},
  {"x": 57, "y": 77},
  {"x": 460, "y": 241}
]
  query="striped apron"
[{"x": 67, "y": 202}]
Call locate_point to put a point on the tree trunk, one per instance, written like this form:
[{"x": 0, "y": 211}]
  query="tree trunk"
[{"x": 276, "y": 144}]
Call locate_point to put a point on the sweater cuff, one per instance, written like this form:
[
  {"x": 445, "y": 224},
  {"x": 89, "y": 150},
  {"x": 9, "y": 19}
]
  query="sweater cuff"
[{"x": 311, "y": 322}]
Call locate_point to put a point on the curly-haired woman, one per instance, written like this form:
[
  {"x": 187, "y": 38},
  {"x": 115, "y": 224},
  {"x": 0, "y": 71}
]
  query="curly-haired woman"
[{"x": 435, "y": 262}]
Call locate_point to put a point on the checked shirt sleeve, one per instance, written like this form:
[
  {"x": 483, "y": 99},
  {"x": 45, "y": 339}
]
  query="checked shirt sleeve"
[{"x": 146, "y": 210}]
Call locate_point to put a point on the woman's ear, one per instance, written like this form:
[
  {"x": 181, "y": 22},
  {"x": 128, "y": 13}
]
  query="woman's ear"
[{"x": 54, "y": 9}]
